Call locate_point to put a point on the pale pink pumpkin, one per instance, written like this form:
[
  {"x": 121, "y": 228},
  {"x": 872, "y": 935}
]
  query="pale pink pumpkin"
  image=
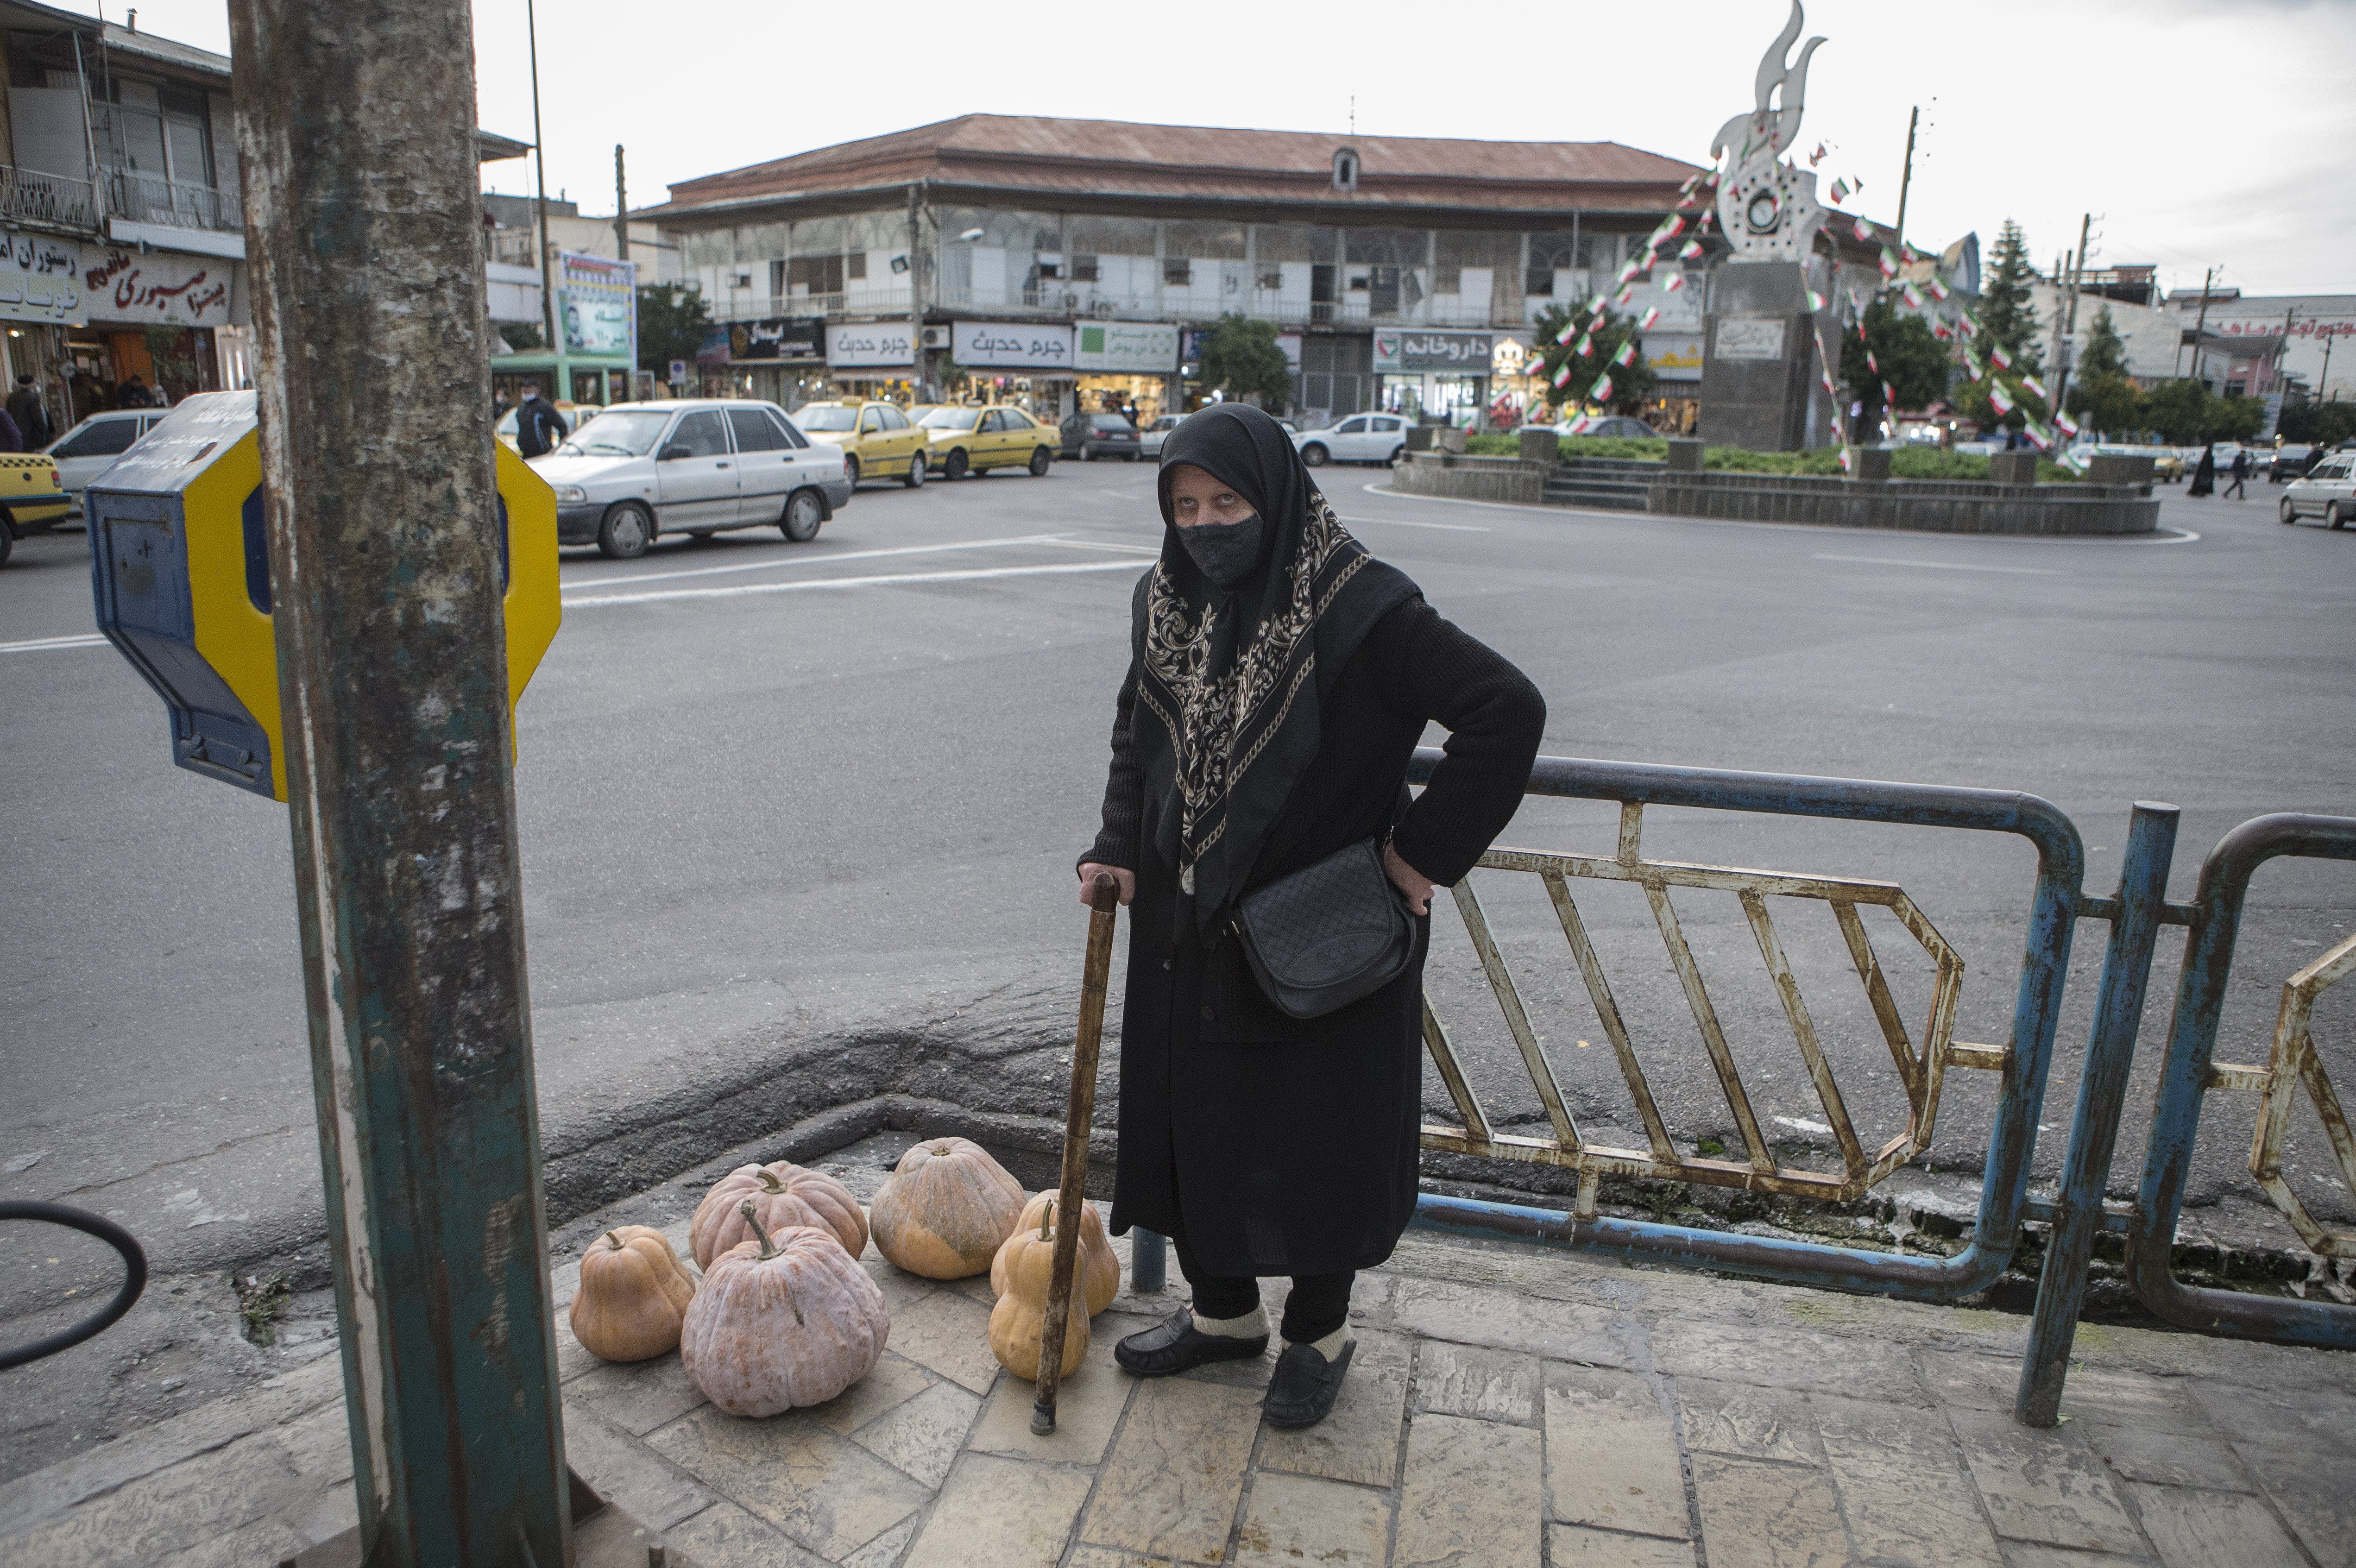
[
  {"x": 782, "y": 1322},
  {"x": 944, "y": 1209},
  {"x": 783, "y": 1194}
]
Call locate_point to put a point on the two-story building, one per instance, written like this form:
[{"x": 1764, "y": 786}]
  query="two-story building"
[{"x": 1077, "y": 263}]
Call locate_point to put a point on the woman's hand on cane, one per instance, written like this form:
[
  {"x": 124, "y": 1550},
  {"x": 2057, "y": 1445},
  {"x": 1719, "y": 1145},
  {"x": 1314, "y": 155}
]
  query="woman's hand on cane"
[{"x": 1125, "y": 879}]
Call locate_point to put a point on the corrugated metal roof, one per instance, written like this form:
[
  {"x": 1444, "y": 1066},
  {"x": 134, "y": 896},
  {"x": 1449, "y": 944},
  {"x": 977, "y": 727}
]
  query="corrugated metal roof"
[{"x": 1112, "y": 157}]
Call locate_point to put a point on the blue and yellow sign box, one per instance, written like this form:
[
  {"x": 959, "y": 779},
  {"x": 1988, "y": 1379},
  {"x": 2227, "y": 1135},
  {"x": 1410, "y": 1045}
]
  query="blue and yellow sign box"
[{"x": 181, "y": 570}]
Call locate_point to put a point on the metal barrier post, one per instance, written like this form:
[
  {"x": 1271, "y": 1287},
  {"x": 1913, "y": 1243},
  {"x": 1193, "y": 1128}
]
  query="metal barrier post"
[
  {"x": 1148, "y": 1261},
  {"x": 2102, "y": 1092}
]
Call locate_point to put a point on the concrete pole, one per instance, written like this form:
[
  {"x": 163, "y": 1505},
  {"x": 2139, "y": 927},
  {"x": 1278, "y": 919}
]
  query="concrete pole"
[
  {"x": 917, "y": 377},
  {"x": 1906, "y": 177},
  {"x": 621, "y": 208},
  {"x": 547, "y": 247},
  {"x": 356, "y": 128}
]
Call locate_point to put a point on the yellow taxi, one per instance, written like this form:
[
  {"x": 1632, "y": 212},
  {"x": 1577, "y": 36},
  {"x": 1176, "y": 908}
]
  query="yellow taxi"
[
  {"x": 879, "y": 441},
  {"x": 32, "y": 493},
  {"x": 974, "y": 440}
]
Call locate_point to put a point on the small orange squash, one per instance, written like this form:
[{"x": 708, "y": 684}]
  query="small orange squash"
[
  {"x": 944, "y": 1209},
  {"x": 1022, "y": 1311},
  {"x": 1100, "y": 1264},
  {"x": 782, "y": 1321},
  {"x": 783, "y": 1194},
  {"x": 633, "y": 1297}
]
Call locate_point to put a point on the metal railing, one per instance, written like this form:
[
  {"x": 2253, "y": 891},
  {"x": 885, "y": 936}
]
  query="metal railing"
[
  {"x": 27, "y": 196},
  {"x": 143, "y": 199}
]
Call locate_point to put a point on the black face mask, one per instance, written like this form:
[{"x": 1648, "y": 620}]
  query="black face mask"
[{"x": 1226, "y": 552}]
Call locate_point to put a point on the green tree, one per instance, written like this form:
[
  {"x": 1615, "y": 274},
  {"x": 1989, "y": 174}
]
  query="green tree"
[
  {"x": 2179, "y": 411},
  {"x": 2006, "y": 309},
  {"x": 2107, "y": 403},
  {"x": 523, "y": 337},
  {"x": 2237, "y": 418},
  {"x": 1971, "y": 400},
  {"x": 672, "y": 324},
  {"x": 2308, "y": 420},
  {"x": 1634, "y": 385},
  {"x": 1913, "y": 361},
  {"x": 1241, "y": 359},
  {"x": 2104, "y": 354}
]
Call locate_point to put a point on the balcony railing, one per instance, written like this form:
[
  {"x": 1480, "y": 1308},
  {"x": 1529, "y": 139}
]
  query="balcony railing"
[
  {"x": 1082, "y": 300},
  {"x": 143, "y": 199},
  {"x": 29, "y": 197}
]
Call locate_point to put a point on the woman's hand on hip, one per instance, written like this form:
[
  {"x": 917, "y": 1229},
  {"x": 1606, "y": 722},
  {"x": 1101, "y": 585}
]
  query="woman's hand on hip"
[
  {"x": 1408, "y": 880},
  {"x": 1125, "y": 879}
]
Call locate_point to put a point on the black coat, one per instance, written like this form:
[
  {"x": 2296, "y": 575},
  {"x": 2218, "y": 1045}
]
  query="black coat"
[
  {"x": 538, "y": 427},
  {"x": 1278, "y": 1145}
]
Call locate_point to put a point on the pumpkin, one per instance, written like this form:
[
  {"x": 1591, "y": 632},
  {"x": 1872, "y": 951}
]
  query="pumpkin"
[
  {"x": 1100, "y": 1264},
  {"x": 783, "y": 1194},
  {"x": 783, "y": 1321},
  {"x": 1015, "y": 1322},
  {"x": 944, "y": 1209},
  {"x": 633, "y": 1295}
]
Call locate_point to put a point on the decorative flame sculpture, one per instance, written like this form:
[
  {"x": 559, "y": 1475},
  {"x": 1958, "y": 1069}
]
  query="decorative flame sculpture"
[{"x": 1766, "y": 203}]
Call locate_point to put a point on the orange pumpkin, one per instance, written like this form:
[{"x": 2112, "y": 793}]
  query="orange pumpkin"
[
  {"x": 633, "y": 1297},
  {"x": 783, "y": 1194},
  {"x": 944, "y": 1209},
  {"x": 1015, "y": 1322},
  {"x": 782, "y": 1322},
  {"x": 1100, "y": 1264}
]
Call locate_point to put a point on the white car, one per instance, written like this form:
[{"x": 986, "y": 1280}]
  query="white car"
[
  {"x": 2328, "y": 491},
  {"x": 89, "y": 448},
  {"x": 1150, "y": 438},
  {"x": 1361, "y": 438},
  {"x": 638, "y": 470}
]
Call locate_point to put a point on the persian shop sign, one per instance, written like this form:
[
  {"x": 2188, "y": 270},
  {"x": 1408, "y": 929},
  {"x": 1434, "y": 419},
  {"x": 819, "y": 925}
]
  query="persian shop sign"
[
  {"x": 158, "y": 288},
  {"x": 1140, "y": 348},
  {"x": 1469, "y": 352},
  {"x": 40, "y": 279},
  {"x": 869, "y": 344},
  {"x": 1011, "y": 345}
]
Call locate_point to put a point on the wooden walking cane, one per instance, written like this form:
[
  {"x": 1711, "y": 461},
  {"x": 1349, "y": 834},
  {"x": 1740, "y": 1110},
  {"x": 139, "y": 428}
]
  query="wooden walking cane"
[{"x": 1104, "y": 902}]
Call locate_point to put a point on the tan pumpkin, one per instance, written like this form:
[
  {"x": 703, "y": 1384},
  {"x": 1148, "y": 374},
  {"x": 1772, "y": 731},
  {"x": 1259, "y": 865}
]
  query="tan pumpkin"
[
  {"x": 633, "y": 1295},
  {"x": 944, "y": 1209},
  {"x": 1015, "y": 1322},
  {"x": 1100, "y": 1264},
  {"x": 782, "y": 1322},
  {"x": 783, "y": 1194}
]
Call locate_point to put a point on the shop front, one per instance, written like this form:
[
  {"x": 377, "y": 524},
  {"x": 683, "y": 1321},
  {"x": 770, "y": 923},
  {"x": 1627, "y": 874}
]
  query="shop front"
[
  {"x": 870, "y": 359},
  {"x": 1027, "y": 363},
  {"x": 110, "y": 327},
  {"x": 780, "y": 360},
  {"x": 1132, "y": 366},
  {"x": 1433, "y": 377},
  {"x": 1676, "y": 359}
]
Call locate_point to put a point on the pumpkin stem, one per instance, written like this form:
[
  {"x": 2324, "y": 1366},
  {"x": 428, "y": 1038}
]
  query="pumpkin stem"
[
  {"x": 768, "y": 1250},
  {"x": 617, "y": 1241},
  {"x": 1046, "y": 1220},
  {"x": 769, "y": 1179}
]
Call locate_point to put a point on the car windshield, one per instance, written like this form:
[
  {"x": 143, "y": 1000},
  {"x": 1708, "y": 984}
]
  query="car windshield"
[
  {"x": 629, "y": 433},
  {"x": 950, "y": 419},
  {"x": 826, "y": 416}
]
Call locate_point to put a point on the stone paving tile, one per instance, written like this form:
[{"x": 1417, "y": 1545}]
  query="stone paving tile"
[
  {"x": 2195, "y": 1529},
  {"x": 1576, "y": 1546},
  {"x": 1902, "y": 1485},
  {"x": 725, "y": 1536},
  {"x": 2310, "y": 1487},
  {"x": 1002, "y": 1514},
  {"x": 637, "y": 1396},
  {"x": 1857, "y": 1368},
  {"x": 1467, "y": 1379},
  {"x": 894, "y": 1380},
  {"x": 1612, "y": 1455},
  {"x": 2043, "y": 1486},
  {"x": 1757, "y": 1515},
  {"x": 828, "y": 1494},
  {"x": 1106, "y": 1557},
  {"x": 2171, "y": 1458},
  {"x": 1176, "y": 1471},
  {"x": 1359, "y": 1441},
  {"x": 1472, "y": 1494},
  {"x": 1087, "y": 1408},
  {"x": 2281, "y": 1416},
  {"x": 901, "y": 1290},
  {"x": 1294, "y": 1519},
  {"x": 923, "y": 1435},
  {"x": 247, "y": 1480},
  {"x": 628, "y": 1476},
  {"x": 885, "y": 1550},
  {"x": 2091, "y": 1393},
  {"x": 2029, "y": 1554},
  {"x": 950, "y": 1334},
  {"x": 1479, "y": 1315},
  {"x": 1747, "y": 1422}
]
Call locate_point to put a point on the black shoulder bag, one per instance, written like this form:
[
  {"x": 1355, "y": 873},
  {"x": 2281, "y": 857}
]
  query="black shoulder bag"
[{"x": 1328, "y": 934}]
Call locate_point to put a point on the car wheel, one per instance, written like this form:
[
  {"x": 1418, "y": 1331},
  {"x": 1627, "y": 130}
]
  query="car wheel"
[
  {"x": 2333, "y": 516},
  {"x": 626, "y": 533},
  {"x": 803, "y": 514},
  {"x": 1314, "y": 454},
  {"x": 915, "y": 477},
  {"x": 1039, "y": 460},
  {"x": 7, "y": 542},
  {"x": 959, "y": 465},
  {"x": 1397, "y": 453},
  {"x": 851, "y": 470},
  {"x": 2288, "y": 511}
]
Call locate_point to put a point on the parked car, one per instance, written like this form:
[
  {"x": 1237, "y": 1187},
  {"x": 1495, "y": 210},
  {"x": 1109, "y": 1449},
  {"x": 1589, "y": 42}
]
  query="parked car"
[
  {"x": 1361, "y": 438},
  {"x": 2328, "y": 491},
  {"x": 1150, "y": 438},
  {"x": 2291, "y": 460},
  {"x": 1089, "y": 437},
  {"x": 638, "y": 470},
  {"x": 976, "y": 440},
  {"x": 878, "y": 440},
  {"x": 33, "y": 497},
  {"x": 89, "y": 448}
]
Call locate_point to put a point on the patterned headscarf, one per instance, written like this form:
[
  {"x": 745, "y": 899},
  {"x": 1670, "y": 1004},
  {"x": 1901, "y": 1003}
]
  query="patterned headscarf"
[{"x": 1228, "y": 683}]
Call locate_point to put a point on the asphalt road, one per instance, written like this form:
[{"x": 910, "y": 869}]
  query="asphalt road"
[{"x": 767, "y": 790}]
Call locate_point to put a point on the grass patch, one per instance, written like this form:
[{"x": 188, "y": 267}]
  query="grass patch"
[
  {"x": 261, "y": 1301},
  {"x": 1821, "y": 462}
]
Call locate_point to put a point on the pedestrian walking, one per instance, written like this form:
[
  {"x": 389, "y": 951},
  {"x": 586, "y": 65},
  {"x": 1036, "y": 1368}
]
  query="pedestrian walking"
[
  {"x": 31, "y": 414},
  {"x": 2204, "y": 478},
  {"x": 2239, "y": 471},
  {"x": 132, "y": 393},
  {"x": 538, "y": 427},
  {"x": 85, "y": 394},
  {"x": 1279, "y": 678}
]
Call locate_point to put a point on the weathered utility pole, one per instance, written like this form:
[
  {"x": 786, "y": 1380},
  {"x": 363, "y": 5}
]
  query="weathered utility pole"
[
  {"x": 2200, "y": 322},
  {"x": 356, "y": 125},
  {"x": 2065, "y": 345},
  {"x": 621, "y": 208},
  {"x": 916, "y": 292},
  {"x": 547, "y": 249},
  {"x": 1906, "y": 177}
]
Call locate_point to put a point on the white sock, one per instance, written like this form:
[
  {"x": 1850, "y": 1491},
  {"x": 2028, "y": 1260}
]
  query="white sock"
[
  {"x": 1252, "y": 1324},
  {"x": 1331, "y": 1345}
]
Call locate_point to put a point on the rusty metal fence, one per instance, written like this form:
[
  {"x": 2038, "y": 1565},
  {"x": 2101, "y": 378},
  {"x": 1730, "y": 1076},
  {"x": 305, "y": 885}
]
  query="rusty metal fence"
[{"x": 1921, "y": 1058}]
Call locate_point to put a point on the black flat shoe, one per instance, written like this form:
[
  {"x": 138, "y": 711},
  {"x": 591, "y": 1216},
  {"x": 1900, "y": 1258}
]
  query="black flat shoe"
[
  {"x": 1175, "y": 1345},
  {"x": 1301, "y": 1393}
]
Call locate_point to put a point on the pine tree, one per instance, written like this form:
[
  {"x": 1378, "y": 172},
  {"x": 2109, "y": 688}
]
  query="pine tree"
[
  {"x": 2006, "y": 309},
  {"x": 2104, "y": 354}
]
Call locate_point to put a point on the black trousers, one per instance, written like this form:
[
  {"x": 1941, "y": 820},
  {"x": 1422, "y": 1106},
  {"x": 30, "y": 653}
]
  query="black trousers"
[{"x": 1317, "y": 1304}]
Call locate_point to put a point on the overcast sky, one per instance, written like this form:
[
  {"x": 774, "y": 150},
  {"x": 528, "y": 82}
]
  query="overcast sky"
[{"x": 2198, "y": 134}]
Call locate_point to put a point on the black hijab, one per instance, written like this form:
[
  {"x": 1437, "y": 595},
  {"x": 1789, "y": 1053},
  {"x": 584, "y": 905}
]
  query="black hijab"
[{"x": 1231, "y": 681}]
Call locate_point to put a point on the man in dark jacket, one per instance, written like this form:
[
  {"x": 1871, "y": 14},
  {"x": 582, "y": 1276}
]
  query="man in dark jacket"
[
  {"x": 2241, "y": 473},
  {"x": 134, "y": 393},
  {"x": 538, "y": 427},
  {"x": 31, "y": 415}
]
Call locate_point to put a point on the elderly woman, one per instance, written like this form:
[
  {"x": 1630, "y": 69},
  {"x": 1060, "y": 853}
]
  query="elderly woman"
[{"x": 1278, "y": 680}]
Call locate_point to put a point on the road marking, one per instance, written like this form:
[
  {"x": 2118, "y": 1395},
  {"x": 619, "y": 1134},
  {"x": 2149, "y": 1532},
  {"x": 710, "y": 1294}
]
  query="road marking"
[
  {"x": 747, "y": 589},
  {"x": 44, "y": 644},
  {"x": 800, "y": 559},
  {"x": 1403, "y": 522},
  {"x": 1944, "y": 565},
  {"x": 1106, "y": 545}
]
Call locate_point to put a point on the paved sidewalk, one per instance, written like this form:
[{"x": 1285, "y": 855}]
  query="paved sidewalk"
[{"x": 1508, "y": 1407}]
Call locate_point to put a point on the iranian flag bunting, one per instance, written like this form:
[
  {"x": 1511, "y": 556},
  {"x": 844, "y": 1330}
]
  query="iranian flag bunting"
[
  {"x": 1864, "y": 230},
  {"x": 1687, "y": 252},
  {"x": 1562, "y": 376},
  {"x": 1999, "y": 399},
  {"x": 1816, "y": 300},
  {"x": 2035, "y": 388},
  {"x": 1871, "y": 362},
  {"x": 1627, "y": 354},
  {"x": 1840, "y": 189},
  {"x": 1602, "y": 387},
  {"x": 1938, "y": 287},
  {"x": 1888, "y": 263},
  {"x": 2068, "y": 425},
  {"x": 1585, "y": 346},
  {"x": 1914, "y": 297},
  {"x": 1998, "y": 358},
  {"x": 1645, "y": 324}
]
